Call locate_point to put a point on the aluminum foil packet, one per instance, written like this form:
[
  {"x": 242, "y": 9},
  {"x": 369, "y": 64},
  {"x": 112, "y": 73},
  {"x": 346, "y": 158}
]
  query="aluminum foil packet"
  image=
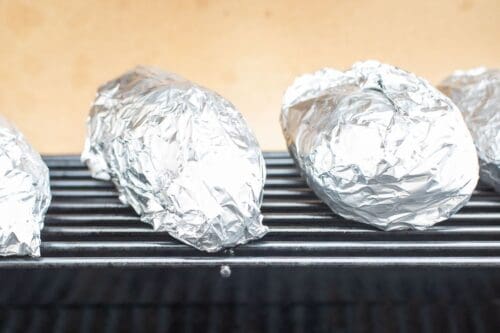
[
  {"x": 181, "y": 155},
  {"x": 476, "y": 92},
  {"x": 380, "y": 145},
  {"x": 24, "y": 194}
]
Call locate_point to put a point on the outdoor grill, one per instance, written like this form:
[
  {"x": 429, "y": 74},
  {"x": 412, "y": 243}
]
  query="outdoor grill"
[{"x": 313, "y": 270}]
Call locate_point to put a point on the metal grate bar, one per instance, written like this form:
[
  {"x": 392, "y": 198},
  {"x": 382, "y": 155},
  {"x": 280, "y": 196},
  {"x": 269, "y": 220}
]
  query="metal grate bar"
[{"x": 254, "y": 261}]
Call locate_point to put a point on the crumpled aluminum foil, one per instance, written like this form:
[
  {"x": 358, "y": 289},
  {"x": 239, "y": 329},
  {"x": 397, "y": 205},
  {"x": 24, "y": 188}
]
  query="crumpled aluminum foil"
[
  {"x": 181, "y": 155},
  {"x": 476, "y": 92},
  {"x": 24, "y": 194},
  {"x": 380, "y": 145}
]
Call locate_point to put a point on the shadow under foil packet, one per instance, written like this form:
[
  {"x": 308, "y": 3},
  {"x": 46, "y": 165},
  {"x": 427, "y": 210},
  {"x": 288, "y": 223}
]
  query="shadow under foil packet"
[
  {"x": 24, "y": 194},
  {"x": 380, "y": 145},
  {"x": 181, "y": 155}
]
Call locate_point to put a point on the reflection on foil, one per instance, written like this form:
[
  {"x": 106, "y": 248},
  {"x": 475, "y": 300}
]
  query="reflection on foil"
[
  {"x": 181, "y": 155},
  {"x": 476, "y": 92},
  {"x": 24, "y": 194},
  {"x": 380, "y": 145}
]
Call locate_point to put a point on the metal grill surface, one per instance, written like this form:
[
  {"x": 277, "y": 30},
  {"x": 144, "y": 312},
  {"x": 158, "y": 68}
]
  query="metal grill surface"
[
  {"x": 228, "y": 318},
  {"x": 87, "y": 226}
]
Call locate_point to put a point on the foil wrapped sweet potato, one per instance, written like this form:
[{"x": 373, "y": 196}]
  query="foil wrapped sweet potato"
[
  {"x": 24, "y": 194},
  {"x": 181, "y": 155},
  {"x": 380, "y": 145}
]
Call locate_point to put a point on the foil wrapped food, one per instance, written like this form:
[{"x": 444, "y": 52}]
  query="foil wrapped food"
[
  {"x": 380, "y": 145},
  {"x": 476, "y": 92},
  {"x": 181, "y": 155},
  {"x": 24, "y": 194}
]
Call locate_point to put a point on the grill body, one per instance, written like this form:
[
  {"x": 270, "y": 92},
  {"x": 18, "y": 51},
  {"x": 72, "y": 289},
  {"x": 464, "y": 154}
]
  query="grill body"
[{"x": 314, "y": 270}]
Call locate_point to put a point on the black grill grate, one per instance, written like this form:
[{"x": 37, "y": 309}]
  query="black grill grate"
[
  {"x": 103, "y": 270},
  {"x": 367, "y": 317},
  {"x": 88, "y": 226}
]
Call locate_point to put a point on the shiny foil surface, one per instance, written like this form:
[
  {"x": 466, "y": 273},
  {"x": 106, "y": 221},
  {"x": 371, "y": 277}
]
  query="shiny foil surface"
[
  {"x": 476, "y": 92},
  {"x": 380, "y": 145},
  {"x": 24, "y": 194},
  {"x": 181, "y": 155}
]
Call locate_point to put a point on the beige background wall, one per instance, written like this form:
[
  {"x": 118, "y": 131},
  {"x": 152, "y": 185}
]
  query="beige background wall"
[{"x": 54, "y": 54}]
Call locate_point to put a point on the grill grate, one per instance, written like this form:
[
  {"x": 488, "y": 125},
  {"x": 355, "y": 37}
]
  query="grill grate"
[
  {"x": 314, "y": 271},
  {"x": 87, "y": 225},
  {"x": 365, "y": 317}
]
